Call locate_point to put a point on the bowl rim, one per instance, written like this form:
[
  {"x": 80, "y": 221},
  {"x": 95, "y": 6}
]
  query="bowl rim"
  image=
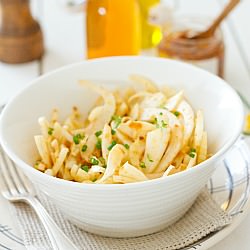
[{"x": 59, "y": 181}]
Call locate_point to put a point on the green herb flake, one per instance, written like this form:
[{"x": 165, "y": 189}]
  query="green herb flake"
[
  {"x": 126, "y": 146},
  {"x": 192, "y": 155},
  {"x": 98, "y": 145},
  {"x": 113, "y": 143},
  {"x": 163, "y": 124},
  {"x": 98, "y": 133},
  {"x": 85, "y": 168},
  {"x": 192, "y": 152},
  {"x": 77, "y": 138},
  {"x": 176, "y": 113},
  {"x": 94, "y": 180},
  {"x": 113, "y": 131},
  {"x": 102, "y": 160},
  {"x": 37, "y": 163},
  {"x": 142, "y": 164},
  {"x": 155, "y": 121},
  {"x": 94, "y": 161},
  {"x": 117, "y": 119},
  {"x": 149, "y": 158},
  {"x": 161, "y": 113},
  {"x": 50, "y": 131},
  {"x": 84, "y": 148},
  {"x": 159, "y": 124}
]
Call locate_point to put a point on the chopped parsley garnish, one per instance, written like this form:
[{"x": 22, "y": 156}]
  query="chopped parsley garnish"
[
  {"x": 37, "y": 163},
  {"x": 113, "y": 131},
  {"x": 117, "y": 119},
  {"x": 85, "y": 168},
  {"x": 142, "y": 164},
  {"x": 192, "y": 152},
  {"x": 163, "y": 124},
  {"x": 94, "y": 180},
  {"x": 94, "y": 161},
  {"x": 159, "y": 124},
  {"x": 192, "y": 155},
  {"x": 149, "y": 158},
  {"x": 102, "y": 161},
  {"x": 84, "y": 148},
  {"x": 113, "y": 143},
  {"x": 98, "y": 145},
  {"x": 156, "y": 123},
  {"x": 161, "y": 113},
  {"x": 126, "y": 146},
  {"x": 50, "y": 131},
  {"x": 176, "y": 113},
  {"x": 98, "y": 133},
  {"x": 77, "y": 138}
]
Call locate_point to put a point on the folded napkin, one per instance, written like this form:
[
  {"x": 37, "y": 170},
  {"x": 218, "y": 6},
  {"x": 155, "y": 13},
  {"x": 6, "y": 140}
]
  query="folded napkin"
[{"x": 204, "y": 217}]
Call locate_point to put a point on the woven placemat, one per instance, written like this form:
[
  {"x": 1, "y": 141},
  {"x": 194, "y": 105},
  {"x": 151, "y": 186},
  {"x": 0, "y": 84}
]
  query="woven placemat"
[{"x": 203, "y": 218}]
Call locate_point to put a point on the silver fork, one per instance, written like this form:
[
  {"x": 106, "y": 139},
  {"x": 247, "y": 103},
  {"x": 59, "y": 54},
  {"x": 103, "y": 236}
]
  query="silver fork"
[{"x": 15, "y": 187}]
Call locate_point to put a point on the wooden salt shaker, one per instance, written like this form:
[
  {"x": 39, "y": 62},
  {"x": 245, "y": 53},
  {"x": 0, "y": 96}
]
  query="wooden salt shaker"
[{"x": 21, "y": 37}]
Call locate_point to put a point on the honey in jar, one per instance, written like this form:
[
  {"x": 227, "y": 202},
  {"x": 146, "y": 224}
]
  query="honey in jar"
[{"x": 198, "y": 51}]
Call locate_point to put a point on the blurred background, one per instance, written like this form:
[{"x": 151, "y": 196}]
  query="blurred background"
[{"x": 60, "y": 32}]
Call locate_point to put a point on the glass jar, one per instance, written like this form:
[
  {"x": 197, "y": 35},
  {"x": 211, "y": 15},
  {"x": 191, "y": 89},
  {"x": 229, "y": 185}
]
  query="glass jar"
[
  {"x": 201, "y": 52},
  {"x": 113, "y": 28}
]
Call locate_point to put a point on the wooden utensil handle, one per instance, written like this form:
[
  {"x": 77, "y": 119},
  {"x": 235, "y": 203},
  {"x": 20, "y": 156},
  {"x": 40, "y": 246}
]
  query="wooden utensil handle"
[
  {"x": 225, "y": 12},
  {"x": 221, "y": 17}
]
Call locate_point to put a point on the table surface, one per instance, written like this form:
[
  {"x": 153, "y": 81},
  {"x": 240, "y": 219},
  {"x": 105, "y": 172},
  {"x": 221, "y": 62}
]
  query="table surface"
[{"x": 64, "y": 33}]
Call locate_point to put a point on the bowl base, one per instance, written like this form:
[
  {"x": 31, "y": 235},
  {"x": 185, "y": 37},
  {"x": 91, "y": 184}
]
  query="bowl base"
[{"x": 121, "y": 233}]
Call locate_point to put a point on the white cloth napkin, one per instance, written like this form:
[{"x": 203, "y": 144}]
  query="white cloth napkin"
[{"x": 204, "y": 217}]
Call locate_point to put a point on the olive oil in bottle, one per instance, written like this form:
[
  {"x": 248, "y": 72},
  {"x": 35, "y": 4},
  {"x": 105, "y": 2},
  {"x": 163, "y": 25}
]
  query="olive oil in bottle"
[{"x": 151, "y": 34}]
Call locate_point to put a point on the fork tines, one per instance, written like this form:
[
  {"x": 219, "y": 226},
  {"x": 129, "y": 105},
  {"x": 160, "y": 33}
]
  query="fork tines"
[{"x": 14, "y": 182}]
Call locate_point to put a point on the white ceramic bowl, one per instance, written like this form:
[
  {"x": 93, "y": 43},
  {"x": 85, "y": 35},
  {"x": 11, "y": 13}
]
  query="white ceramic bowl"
[{"x": 132, "y": 209}]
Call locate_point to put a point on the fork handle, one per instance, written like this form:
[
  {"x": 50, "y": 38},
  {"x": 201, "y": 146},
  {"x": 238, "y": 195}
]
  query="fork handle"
[{"x": 59, "y": 240}]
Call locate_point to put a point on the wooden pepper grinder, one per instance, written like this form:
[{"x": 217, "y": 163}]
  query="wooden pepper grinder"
[{"x": 21, "y": 37}]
